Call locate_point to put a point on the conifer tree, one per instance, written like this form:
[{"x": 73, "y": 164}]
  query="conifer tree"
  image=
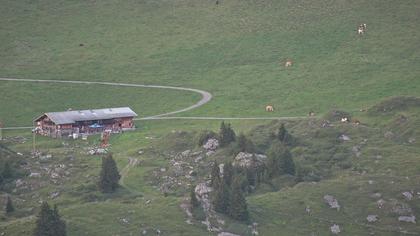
[
  {"x": 9, "y": 205},
  {"x": 287, "y": 164},
  {"x": 228, "y": 173},
  {"x": 7, "y": 170},
  {"x": 238, "y": 208},
  {"x": 284, "y": 136},
  {"x": 194, "y": 201},
  {"x": 215, "y": 175},
  {"x": 226, "y": 135},
  {"x": 49, "y": 223},
  {"x": 280, "y": 160},
  {"x": 59, "y": 224},
  {"x": 109, "y": 176},
  {"x": 221, "y": 196}
]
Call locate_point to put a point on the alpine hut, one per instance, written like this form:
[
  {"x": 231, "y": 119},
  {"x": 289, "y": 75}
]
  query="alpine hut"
[{"x": 85, "y": 122}]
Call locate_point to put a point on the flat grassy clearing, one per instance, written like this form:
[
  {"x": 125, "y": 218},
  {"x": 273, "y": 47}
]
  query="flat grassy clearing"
[
  {"x": 233, "y": 50},
  {"x": 41, "y": 98}
]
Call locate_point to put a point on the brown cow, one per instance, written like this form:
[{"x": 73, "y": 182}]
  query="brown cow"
[
  {"x": 269, "y": 108},
  {"x": 288, "y": 63}
]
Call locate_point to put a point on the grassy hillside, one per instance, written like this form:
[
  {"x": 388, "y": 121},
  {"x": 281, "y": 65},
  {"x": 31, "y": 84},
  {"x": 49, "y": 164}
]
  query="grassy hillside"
[{"x": 234, "y": 50}]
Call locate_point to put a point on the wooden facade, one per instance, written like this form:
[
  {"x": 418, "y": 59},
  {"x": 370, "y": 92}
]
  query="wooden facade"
[{"x": 88, "y": 122}]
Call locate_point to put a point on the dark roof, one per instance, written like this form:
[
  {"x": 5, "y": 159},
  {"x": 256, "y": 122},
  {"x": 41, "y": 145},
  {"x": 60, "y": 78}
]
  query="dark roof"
[{"x": 70, "y": 117}]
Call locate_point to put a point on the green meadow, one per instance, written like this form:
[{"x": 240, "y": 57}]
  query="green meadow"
[{"x": 235, "y": 50}]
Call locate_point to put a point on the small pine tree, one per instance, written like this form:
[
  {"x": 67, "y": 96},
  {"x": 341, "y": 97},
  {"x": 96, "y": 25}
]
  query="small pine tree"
[
  {"x": 221, "y": 197},
  {"x": 48, "y": 222},
  {"x": 109, "y": 176},
  {"x": 282, "y": 133},
  {"x": 238, "y": 209},
  {"x": 284, "y": 136},
  {"x": 226, "y": 135},
  {"x": 194, "y": 201},
  {"x": 7, "y": 170},
  {"x": 228, "y": 173},
  {"x": 280, "y": 160},
  {"x": 9, "y": 205},
  {"x": 59, "y": 224},
  {"x": 287, "y": 164},
  {"x": 215, "y": 175}
]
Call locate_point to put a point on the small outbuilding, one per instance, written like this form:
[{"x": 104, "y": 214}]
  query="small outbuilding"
[{"x": 85, "y": 122}]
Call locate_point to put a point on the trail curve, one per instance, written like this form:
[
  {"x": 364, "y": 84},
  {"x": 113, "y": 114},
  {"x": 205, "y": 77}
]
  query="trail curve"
[{"x": 205, "y": 96}]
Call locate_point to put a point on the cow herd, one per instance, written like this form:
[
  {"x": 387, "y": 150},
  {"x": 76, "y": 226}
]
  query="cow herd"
[{"x": 360, "y": 30}]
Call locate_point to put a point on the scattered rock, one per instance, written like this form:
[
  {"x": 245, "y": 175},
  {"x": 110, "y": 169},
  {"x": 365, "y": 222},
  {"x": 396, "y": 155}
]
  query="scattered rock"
[
  {"x": 201, "y": 189},
  {"x": 19, "y": 182},
  {"x": 408, "y": 195},
  {"x": 186, "y": 153},
  {"x": 408, "y": 219},
  {"x": 370, "y": 181},
  {"x": 55, "y": 175},
  {"x": 54, "y": 195},
  {"x": 254, "y": 228},
  {"x": 344, "y": 137},
  {"x": 249, "y": 160},
  {"x": 372, "y": 218},
  {"x": 35, "y": 175},
  {"x": 332, "y": 202},
  {"x": 335, "y": 229},
  {"x": 140, "y": 152},
  {"x": 411, "y": 140},
  {"x": 124, "y": 221},
  {"x": 376, "y": 195},
  {"x": 211, "y": 144},
  {"x": 97, "y": 151},
  {"x": 400, "y": 208},
  {"x": 209, "y": 153},
  {"x": 357, "y": 151},
  {"x": 389, "y": 135},
  {"x": 227, "y": 234},
  {"x": 380, "y": 203},
  {"x": 45, "y": 157}
]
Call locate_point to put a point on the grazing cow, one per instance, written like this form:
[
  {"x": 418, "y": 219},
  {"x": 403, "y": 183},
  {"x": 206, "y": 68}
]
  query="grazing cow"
[
  {"x": 361, "y": 29},
  {"x": 311, "y": 113},
  {"x": 288, "y": 63},
  {"x": 269, "y": 108},
  {"x": 356, "y": 122}
]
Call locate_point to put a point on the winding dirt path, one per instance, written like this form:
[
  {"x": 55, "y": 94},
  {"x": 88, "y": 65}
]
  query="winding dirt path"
[{"x": 205, "y": 96}]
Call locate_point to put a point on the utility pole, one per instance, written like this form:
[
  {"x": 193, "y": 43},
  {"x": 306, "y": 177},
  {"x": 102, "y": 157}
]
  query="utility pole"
[
  {"x": 1, "y": 131},
  {"x": 33, "y": 140}
]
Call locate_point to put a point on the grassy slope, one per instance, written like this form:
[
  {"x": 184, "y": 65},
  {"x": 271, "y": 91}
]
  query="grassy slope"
[{"x": 232, "y": 50}]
